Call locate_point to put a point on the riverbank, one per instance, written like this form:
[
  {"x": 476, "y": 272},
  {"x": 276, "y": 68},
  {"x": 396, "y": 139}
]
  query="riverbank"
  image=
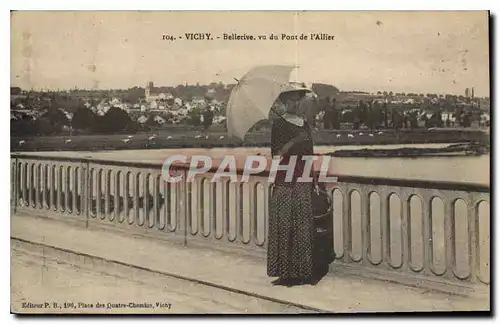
[
  {"x": 192, "y": 139},
  {"x": 467, "y": 149}
]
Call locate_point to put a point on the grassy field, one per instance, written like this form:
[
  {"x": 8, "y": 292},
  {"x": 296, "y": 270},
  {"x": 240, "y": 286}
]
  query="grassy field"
[{"x": 173, "y": 138}]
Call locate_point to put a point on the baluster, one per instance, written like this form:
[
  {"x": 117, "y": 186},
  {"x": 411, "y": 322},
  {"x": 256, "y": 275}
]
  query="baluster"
[
  {"x": 192, "y": 217},
  {"x": 365, "y": 225},
  {"x": 53, "y": 182},
  {"x": 12, "y": 182},
  {"x": 41, "y": 184},
  {"x": 405, "y": 237},
  {"x": 91, "y": 190},
  {"x": 67, "y": 189},
  {"x": 126, "y": 191},
  {"x": 449, "y": 236},
  {"x": 14, "y": 186},
  {"x": 184, "y": 202},
  {"x": 44, "y": 186},
  {"x": 146, "y": 195},
  {"x": 99, "y": 194},
  {"x": 19, "y": 189},
  {"x": 86, "y": 191},
  {"x": 46, "y": 189},
  {"x": 347, "y": 225},
  {"x": 19, "y": 186},
  {"x": 427, "y": 234},
  {"x": 60, "y": 192},
  {"x": 26, "y": 184},
  {"x": 24, "y": 188},
  {"x": 32, "y": 185},
  {"x": 156, "y": 205},
  {"x": 385, "y": 227},
  {"x": 473, "y": 237},
  {"x": 83, "y": 184},
  {"x": 136, "y": 199},
  {"x": 241, "y": 212},
  {"x": 107, "y": 194},
  {"x": 206, "y": 207},
  {"x": 219, "y": 209},
  {"x": 200, "y": 215},
  {"x": 184, "y": 191},
  {"x": 166, "y": 203},
  {"x": 75, "y": 190},
  {"x": 59, "y": 188},
  {"x": 252, "y": 237},
  {"x": 232, "y": 209},
  {"x": 117, "y": 196},
  {"x": 53, "y": 191},
  {"x": 36, "y": 184},
  {"x": 19, "y": 183},
  {"x": 227, "y": 209},
  {"x": 213, "y": 209}
]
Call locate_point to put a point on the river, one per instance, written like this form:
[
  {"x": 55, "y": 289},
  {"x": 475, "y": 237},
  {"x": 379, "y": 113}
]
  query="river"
[{"x": 472, "y": 169}]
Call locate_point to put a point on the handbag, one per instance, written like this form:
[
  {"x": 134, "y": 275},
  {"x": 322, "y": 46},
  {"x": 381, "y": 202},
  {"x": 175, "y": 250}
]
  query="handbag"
[{"x": 324, "y": 252}]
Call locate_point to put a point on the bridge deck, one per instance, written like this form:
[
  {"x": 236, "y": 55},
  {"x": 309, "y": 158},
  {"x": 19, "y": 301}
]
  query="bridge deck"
[{"x": 227, "y": 271}]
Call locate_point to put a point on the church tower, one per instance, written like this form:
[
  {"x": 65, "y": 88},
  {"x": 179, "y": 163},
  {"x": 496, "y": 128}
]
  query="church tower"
[{"x": 149, "y": 86}]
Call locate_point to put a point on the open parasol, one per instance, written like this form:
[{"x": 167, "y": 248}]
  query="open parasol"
[{"x": 254, "y": 95}]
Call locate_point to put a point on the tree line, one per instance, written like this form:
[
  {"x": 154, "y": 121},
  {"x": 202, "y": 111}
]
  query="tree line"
[{"x": 85, "y": 120}]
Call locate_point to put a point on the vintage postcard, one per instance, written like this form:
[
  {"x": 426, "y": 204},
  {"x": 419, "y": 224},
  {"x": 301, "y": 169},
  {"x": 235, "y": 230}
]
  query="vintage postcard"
[{"x": 249, "y": 162}]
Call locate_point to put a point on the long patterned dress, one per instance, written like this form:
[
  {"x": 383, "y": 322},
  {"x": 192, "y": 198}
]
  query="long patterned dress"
[{"x": 291, "y": 225}]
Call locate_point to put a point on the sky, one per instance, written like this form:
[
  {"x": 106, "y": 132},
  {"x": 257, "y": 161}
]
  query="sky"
[{"x": 422, "y": 52}]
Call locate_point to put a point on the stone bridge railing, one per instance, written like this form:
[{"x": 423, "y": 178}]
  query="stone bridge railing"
[{"x": 434, "y": 229}]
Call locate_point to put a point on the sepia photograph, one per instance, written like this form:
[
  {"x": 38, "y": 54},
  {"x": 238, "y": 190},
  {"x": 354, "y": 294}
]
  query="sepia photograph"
[{"x": 249, "y": 162}]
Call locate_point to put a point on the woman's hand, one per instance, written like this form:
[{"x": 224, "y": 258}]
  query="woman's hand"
[
  {"x": 316, "y": 184},
  {"x": 315, "y": 181}
]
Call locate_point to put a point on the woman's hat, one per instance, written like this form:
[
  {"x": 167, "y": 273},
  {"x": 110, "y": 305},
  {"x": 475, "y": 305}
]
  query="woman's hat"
[{"x": 293, "y": 87}]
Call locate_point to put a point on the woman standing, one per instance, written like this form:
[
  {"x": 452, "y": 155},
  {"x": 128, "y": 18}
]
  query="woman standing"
[{"x": 291, "y": 225}]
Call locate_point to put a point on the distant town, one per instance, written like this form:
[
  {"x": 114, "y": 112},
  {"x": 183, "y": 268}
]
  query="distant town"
[{"x": 151, "y": 107}]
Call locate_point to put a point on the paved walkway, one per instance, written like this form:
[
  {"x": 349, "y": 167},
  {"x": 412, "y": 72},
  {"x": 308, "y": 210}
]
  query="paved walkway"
[
  {"x": 39, "y": 275},
  {"x": 335, "y": 293}
]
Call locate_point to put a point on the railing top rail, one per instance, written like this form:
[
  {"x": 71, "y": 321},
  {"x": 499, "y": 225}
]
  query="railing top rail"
[
  {"x": 73, "y": 159},
  {"x": 426, "y": 184}
]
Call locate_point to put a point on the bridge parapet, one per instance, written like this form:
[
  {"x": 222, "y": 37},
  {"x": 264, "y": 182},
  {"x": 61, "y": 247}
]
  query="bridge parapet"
[{"x": 436, "y": 230}]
